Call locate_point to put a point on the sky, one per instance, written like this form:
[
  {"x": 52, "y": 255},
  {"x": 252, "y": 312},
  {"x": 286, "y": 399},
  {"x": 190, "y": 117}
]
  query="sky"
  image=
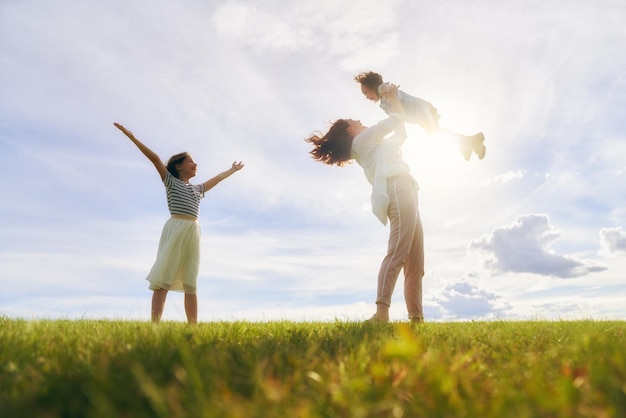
[{"x": 535, "y": 231}]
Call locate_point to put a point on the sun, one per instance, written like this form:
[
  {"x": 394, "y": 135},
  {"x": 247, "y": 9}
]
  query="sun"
[{"x": 434, "y": 158}]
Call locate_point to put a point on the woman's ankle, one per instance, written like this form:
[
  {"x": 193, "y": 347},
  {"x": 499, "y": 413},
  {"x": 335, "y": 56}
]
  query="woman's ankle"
[{"x": 382, "y": 311}]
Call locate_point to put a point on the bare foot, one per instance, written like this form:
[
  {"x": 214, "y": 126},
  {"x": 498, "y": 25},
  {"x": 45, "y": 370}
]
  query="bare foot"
[
  {"x": 417, "y": 320},
  {"x": 377, "y": 319}
]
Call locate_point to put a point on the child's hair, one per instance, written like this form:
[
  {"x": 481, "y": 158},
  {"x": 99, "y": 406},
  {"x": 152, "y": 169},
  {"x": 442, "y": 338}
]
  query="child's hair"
[
  {"x": 174, "y": 161},
  {"x": 371, "y": 80},
  {"x": 333, "y": 148}
]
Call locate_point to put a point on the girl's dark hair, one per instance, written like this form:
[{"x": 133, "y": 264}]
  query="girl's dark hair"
[
  {"x": 174, "y": 161},
  {"x": 371, "y": 80},
  {"x": 333, "y": 148}
]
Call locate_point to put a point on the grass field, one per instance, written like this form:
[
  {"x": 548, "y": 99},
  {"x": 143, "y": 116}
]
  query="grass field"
[{"x": 285, "y": 369}]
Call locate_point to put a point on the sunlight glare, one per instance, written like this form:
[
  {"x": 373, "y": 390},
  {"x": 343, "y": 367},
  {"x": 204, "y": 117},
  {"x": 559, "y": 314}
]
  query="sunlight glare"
[{"x": 435, "y": 159}]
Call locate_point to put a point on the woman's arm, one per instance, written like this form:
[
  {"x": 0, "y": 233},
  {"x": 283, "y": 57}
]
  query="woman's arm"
[
  {"x": 394, "y": 102},
  {"x": 209, "y": 184},
  {"x": 151, "y": 155},
  {"x": 395, "y": 113},
  {"x": 395, "y": 122}
]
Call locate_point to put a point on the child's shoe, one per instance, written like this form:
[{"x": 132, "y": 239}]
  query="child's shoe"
[{"x": 478, "y": 145}]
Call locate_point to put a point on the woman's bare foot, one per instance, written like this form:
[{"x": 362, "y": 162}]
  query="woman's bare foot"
[{"x": 377, "y": 319}]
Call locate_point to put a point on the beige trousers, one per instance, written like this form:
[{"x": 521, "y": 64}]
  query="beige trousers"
[{"x": 406, "y": 246}]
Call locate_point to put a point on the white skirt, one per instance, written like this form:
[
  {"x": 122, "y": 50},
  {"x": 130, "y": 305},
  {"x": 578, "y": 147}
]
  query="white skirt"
[{"x": 178, "y": 259}]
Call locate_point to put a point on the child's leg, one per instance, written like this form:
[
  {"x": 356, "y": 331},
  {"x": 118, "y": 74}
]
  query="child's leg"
[
  {"x": 467, "y": 144},
  {"x": 426, "y": 116},
  {"x": 478, "y": 145},
  {"x": 191, "y": 308},
  {"x": 158, "y": 302}
]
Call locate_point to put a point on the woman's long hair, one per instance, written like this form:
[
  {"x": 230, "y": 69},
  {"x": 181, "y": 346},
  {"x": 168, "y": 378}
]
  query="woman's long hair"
[
  {"x": 174, "y": 161},
  {"x": 333, "y": 148}
]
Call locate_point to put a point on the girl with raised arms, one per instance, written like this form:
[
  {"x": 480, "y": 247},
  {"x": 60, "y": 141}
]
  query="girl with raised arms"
[{"x": 178, "y": 256}]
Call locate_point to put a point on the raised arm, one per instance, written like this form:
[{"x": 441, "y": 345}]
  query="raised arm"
[
  {"x": 394, "y": 102},
  {"x": 151, "y": 155},
  {"x": 395, "y": 119},
  {"x": 209, "y": 184}
]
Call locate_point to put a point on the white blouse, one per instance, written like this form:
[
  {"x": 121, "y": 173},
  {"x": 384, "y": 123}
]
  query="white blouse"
[{"x": 380, "y": 159}]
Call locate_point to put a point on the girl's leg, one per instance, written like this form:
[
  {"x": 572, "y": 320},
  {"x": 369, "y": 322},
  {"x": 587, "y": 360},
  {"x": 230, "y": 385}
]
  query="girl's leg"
[
  {"x": 403, "y": 218},
  {"x": 158, "y": 302},
  {"x": 191, "y": 308}
]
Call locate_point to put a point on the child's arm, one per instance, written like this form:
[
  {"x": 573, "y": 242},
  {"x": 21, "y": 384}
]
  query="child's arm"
[
  {"x": 151, "y": 155},
  {"x": 209, "y": 184}
]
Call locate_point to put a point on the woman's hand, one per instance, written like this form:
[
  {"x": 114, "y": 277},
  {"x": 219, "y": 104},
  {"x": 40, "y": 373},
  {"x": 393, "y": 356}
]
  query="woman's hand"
[
  {"x": 392, "y": 91},
  {"x": 237, "y": 166},
  {"x": 387, "y": 90},
  {"x": 394, "y": 101}
]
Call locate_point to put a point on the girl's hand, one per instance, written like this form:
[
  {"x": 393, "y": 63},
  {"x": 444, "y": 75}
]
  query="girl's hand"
[
  {"x": 237, "y": 166},
  {"x": 124, "y": 130}
]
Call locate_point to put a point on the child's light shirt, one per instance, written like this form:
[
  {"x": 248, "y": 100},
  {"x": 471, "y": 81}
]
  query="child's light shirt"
[
  {"x": 183, "y": 198},
  {"x": 416, "y": 110},
  {"x": 380, "y": 159}
]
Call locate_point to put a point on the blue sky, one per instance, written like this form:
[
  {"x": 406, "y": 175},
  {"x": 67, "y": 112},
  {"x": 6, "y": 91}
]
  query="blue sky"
[{"x": 536, "y": 230}]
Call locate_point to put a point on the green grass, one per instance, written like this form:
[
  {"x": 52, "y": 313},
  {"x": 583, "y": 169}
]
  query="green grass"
[{"x": 285, "y": 369}]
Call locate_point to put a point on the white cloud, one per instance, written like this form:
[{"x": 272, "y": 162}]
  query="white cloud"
[
  {"x": 252, "y": 23},
  {"x": 466, "y": 300},
  {"x": 504, "y": 178},
  {"x": 613, "y": 240},
  {"x": 618, "y": 214},
  {"x": 358, "y": 31},
  {"x": 525, "y": 247}
]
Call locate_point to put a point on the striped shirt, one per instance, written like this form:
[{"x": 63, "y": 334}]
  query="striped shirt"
[{"x": 183, "y": 198}]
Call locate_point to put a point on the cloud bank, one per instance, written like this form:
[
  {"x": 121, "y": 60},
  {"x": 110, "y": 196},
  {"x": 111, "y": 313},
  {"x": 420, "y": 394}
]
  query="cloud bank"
[{"x": 525, "y": 247}]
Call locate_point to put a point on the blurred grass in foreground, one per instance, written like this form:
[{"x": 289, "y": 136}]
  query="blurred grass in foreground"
[{"x": 93, "y": 368}]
